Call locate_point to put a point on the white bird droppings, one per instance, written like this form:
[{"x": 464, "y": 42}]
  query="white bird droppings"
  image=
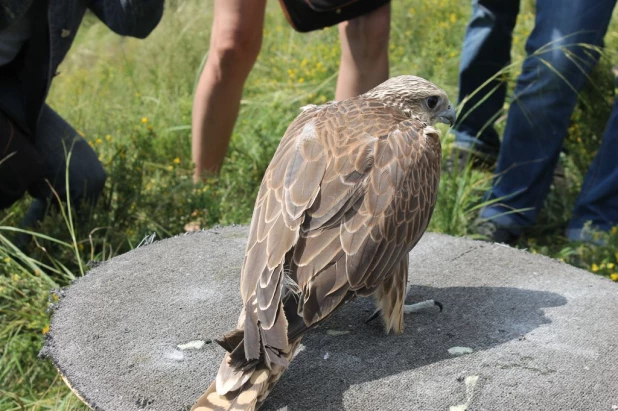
[
  {"x": 175, "y": 355},
  {"x": 470, "y": 384},
  {"x": 192, "y": 345},
  {"x": 460, "y": 350},
  {"x": 336, "y": 332}
]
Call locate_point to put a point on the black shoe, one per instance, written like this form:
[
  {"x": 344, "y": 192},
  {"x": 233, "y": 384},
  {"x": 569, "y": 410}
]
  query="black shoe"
[{"x": 490, "y": 231}]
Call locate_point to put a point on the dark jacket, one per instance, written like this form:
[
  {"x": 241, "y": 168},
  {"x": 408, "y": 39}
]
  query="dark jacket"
[{"x": 25, "y": 82}]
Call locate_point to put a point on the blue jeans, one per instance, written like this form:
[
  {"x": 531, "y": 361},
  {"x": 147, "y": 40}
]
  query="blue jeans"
[
  {"x": 53, "y": 140},
  {"x": 486, "y": 51},
  {"x": 544, "y": 98}
]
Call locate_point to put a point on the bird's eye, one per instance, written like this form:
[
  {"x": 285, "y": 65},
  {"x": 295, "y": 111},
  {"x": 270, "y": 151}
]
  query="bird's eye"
[{"x": 433, "y": 101}]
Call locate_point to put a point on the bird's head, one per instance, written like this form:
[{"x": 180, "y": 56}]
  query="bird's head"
[{"x": 417, "y": 98}]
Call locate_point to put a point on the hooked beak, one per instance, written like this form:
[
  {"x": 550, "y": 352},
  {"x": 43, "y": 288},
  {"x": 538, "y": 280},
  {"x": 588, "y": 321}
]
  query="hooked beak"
[{"x": 448, "y": 116}]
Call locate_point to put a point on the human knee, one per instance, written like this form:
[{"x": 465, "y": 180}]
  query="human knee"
[
  {"x": 235, "y": 48},
  {"x": 369, "y": 34},
  {"x": 95, "y": 183},
  {"x": 86, "y": 174},
  {"x": 555, "y": 71},
  {"x": 557, "y": 58}
]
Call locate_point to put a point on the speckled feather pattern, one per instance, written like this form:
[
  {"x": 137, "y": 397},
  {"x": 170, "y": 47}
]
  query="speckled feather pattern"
[{"x": 348, "y": 193}]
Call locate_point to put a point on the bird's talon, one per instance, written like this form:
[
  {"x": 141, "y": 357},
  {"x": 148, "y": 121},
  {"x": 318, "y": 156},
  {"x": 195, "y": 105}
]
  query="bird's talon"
[
  {"x": 373, "y": 316},
  {"x": 423, "y": 305}
]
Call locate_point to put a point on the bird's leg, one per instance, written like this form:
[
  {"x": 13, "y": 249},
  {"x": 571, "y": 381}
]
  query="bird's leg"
[
  {"x": 414, "y": 308},
  {"x": 410, "y": 308},
  {"x": 373, "y": 316}
]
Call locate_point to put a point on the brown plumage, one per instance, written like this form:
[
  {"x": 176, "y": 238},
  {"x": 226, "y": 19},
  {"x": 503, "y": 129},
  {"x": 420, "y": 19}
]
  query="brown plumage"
[{"x": 348, "y": 193}]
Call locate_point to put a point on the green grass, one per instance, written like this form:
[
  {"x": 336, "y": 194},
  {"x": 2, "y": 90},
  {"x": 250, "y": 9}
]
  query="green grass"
[{"x": 132, "y": 101}]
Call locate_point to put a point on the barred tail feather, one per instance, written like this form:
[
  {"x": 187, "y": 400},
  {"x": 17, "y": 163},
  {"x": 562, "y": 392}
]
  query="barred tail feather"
[
  {"x": 245, "y": 398},
  {"x": 242, "y": 389},
  {"x": 391, "y": 295}
]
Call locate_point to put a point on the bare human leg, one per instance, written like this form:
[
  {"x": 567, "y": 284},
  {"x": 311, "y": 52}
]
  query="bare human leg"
[
  {"x": 235, "y": 43},
  {"x": 364, "y": 53}
]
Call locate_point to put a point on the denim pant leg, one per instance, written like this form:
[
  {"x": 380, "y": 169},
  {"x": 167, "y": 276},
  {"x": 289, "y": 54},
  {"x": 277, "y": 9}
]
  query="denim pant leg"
[
  {"x": 545, "y": 96},
  {"x": 55, "y": 138},
  {"x": 486, "y": 51},
  {"x": 598, "y": 199}
]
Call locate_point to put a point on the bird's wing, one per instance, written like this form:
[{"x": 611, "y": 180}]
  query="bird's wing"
[
  {"x": 396, "y": 166},
  {"x": 289, "y": 187},
  {"x": 350, "y": 188}
]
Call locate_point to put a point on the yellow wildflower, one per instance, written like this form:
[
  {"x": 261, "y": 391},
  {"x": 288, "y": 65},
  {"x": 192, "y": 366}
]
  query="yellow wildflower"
[
  {"x": 177, "y": 160},
  {"x": 7, "y": 259},
  {"x": 45, "y": 329},
  {"x": 610, "y": 266},
  {"x": 98, "y": 141},
  {"x": 170, "y": 168},
  {"x": 108, "y": 137},
  {"x": 594, "y": 268},
  {"x": 144, "y": 120},
  {"x": 615, "y": 230},
  {"x": 453, "y": 18},
  {"x": 81, "y": 133},
  {"x": 614, "y": 276}
]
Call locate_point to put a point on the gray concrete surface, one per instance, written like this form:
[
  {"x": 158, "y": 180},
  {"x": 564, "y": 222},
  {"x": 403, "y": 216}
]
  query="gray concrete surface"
[{"x": 543, "y": 334}]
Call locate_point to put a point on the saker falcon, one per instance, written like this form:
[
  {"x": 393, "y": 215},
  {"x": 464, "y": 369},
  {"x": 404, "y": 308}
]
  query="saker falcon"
[{"x": 348, "y": 193}]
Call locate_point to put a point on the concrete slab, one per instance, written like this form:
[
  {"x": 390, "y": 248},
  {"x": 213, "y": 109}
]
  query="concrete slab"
[{"x": 518, "y": 332}]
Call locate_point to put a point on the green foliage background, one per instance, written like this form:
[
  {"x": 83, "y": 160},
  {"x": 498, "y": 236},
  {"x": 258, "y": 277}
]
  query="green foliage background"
[{"x": 132, "y": 101}]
